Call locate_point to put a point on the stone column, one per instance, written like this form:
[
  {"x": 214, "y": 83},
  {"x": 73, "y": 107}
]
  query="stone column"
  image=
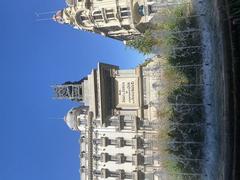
[{"x": 90, "y": 145}]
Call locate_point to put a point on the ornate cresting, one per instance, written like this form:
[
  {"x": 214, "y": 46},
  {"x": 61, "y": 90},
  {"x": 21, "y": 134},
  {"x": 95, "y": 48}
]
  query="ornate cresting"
[{"x": 73, "y": 92}]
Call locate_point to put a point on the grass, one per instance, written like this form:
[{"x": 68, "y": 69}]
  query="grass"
[{"x": 175, "y": 90}]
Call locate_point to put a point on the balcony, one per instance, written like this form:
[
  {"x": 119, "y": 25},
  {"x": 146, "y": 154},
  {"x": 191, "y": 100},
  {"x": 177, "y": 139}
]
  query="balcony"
[
  {"x": 138, "y": 175},
  {"x": 137, "y": 160},
  {"x": 136, "y": 124},
  {"x": 120, "y": 142},
  {"x": 121, "y": 123},
  {"x": 105, "y": 157},
  {"x": 104, "y": 141},
  {"x": 121, "y": 174},
  {"x": 105, "y": 173},
  {"x": 120, "y": 158},
  {"x": 137, "y": 143}
]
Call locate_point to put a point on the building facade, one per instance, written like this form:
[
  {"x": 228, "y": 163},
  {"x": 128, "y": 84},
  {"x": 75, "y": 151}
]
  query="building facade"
[
  {"x": 120, "y": 19},
  {"x": 114, "y": 121}
]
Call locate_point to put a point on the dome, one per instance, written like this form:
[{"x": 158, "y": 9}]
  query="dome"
[
  {"x": 71, "y": 118},
  {"x": 70, "y": 2}
]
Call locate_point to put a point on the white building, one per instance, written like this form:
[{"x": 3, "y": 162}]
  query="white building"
[
  {"x": 114, "y": 121},
  {"x": 120, "y": 19}
]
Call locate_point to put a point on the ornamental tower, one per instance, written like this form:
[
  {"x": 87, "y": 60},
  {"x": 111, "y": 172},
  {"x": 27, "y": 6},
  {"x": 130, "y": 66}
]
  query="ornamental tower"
[{"x": 120, "y": 19}]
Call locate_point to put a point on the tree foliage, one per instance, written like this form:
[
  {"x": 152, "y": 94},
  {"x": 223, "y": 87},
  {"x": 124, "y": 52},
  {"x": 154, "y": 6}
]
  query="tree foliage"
[{"x": 143, "y": 43}]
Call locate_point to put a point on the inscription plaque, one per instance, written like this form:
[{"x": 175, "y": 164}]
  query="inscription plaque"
[{"x": 127, "y": 91}]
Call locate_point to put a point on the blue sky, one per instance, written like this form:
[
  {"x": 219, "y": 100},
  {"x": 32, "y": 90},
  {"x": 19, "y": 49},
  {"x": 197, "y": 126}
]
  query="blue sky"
[{"x": 33, "y": 56}]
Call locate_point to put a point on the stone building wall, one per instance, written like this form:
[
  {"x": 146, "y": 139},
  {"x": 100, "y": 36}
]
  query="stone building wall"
[
  {"x": 121, "y": 19},
  {"x": 115, "y": 123}
]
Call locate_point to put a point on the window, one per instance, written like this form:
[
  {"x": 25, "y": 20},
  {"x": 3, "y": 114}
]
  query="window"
[
  {"x": 109, "y": 11},
  {"x": 81, "y": 17},
  {"x": 110, "y": 14},
  {"x": 124, "y": 12},
  {"x": 124, "y": 9},
  {"x": 97, "y": 15}
]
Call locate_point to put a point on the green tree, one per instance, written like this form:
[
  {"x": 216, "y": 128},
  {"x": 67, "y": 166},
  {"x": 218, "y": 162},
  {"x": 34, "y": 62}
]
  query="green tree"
[{"x": 144, "y": 43}]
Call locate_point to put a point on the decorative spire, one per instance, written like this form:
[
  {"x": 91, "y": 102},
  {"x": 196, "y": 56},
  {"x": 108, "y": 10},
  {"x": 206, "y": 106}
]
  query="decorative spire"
[
  {"x": 58, "y": 17},
  {"x": 71, "y": 2}
]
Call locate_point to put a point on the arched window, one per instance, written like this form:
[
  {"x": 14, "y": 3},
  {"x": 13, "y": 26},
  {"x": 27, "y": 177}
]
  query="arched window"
[
  {"x": 81, "y": 17},
  {"x": 97, "y": 15}
]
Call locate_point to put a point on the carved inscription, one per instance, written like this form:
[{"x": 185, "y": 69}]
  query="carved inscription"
[{"x": 126, "y": 92}]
